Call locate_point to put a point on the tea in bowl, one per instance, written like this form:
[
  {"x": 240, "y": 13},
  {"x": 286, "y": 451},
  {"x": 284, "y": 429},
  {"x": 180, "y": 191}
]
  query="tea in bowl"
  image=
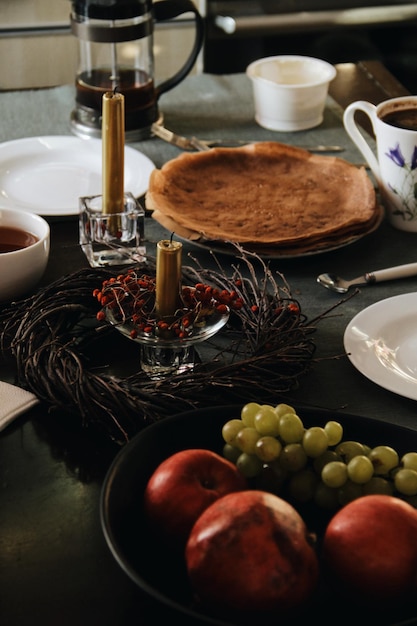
[{"x": 24, "y": 252}]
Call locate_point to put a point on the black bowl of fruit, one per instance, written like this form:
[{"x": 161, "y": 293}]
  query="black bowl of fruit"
[{"x": 272, "y": 514}]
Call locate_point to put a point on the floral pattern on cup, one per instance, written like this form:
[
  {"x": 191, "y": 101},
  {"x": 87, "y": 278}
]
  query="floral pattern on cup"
[{"x": 408, "y": 193}]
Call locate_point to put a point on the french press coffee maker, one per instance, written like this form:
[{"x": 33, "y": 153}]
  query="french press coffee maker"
[{"x": 116, "y": 53}]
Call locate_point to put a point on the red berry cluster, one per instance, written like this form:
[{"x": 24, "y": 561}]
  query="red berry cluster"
[{"x": 131, "y": 299}]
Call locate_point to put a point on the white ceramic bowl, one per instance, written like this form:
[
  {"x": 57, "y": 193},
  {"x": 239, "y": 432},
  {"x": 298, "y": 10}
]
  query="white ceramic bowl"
[
  {"x": 290, "y": 91},
  {"x": 21, "y": 270}
]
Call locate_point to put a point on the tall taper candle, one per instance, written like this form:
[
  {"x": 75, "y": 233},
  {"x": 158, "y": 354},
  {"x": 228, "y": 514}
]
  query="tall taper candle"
[
  {"x": 113, "y": 140},
  {"x": 168, "y": 277}
]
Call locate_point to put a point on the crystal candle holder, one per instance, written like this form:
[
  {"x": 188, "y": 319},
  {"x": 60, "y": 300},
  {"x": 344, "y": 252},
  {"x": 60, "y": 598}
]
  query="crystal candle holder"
[
  {"x": 163, "y": 352},
  {"x": 110, "y": 239},
  {"x": 161, "y": 357},
  {"x": 167, "y": 342}
]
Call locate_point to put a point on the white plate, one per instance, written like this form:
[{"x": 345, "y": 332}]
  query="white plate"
[
  {"x": 47, "y": 175},
  {"x": 381, "y": 342}
]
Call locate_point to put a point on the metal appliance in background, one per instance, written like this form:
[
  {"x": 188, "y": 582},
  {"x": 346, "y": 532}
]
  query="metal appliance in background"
[
  {"x": 116, "y": 52},
  {"x": 338, "y": 31}
]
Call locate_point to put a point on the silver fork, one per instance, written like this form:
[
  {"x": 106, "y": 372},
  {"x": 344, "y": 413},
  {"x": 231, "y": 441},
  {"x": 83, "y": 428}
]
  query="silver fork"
[
  {"x": 184, "y": 143},
  {"x": 192, "y": 143}
]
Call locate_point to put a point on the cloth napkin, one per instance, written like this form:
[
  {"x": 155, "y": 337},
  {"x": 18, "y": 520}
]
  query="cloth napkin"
[{"x": 13, "y": 402}]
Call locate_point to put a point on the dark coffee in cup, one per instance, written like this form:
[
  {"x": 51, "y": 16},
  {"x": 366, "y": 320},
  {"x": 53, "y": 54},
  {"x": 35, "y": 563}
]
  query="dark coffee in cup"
[
  {"x": 394, "y": 124},
  {"x": 12, "y": 239},
  {"x": 402, "y": 118}
]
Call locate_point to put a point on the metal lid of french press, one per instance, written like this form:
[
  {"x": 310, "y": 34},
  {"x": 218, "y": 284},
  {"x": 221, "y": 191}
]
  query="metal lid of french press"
[
  {"x": 111, "y": 9},
  {"x": 102, "y": 20}
]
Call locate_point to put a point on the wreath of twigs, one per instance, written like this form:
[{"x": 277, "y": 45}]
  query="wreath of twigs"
[{"x": 53, "y": 337}]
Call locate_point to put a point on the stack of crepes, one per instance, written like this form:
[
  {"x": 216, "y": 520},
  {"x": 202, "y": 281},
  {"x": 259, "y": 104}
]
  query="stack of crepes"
[{"x": 271, "y": 198}]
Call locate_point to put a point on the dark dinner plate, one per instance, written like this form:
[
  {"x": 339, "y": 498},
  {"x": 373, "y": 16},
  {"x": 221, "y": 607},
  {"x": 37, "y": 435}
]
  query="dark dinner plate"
[{"x": 160, "y": 575}]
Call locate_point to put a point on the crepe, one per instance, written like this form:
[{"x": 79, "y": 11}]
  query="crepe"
[{"x": 268, "y": 195}]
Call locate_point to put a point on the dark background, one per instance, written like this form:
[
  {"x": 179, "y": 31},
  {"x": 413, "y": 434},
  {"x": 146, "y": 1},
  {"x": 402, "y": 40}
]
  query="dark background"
[{"x": 393, "y": 43}]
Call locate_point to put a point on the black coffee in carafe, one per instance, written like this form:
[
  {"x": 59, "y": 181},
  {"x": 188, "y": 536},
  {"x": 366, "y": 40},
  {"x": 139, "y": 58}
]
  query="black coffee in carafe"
[{"x": 116, "y": 53}]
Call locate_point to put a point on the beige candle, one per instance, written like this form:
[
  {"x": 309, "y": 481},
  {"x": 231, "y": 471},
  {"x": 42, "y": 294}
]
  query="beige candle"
[
  {"x": 168, "y": 277},
  {"x": 113, "y": 140}
]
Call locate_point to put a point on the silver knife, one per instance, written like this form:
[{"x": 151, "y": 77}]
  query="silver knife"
[{"x": 201, "y": 145}]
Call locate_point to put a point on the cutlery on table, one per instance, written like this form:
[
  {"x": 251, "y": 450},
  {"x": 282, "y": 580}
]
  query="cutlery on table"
[
  {"x": 233, "y": 143},
  {"x": 335, "y": 283},
  {"x": 192, "y": 143},
  {"x": 184, "y": 143}
]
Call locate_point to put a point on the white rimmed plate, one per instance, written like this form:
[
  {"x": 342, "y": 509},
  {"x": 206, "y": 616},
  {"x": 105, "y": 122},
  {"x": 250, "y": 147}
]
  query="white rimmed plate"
[
  {"x": 381, "y": 342},
  {"x": 47, "y": 175}
]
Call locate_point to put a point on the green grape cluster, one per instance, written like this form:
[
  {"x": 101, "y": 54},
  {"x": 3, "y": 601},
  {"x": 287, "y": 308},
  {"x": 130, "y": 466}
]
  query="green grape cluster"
[{"x": 271, "y": 445}]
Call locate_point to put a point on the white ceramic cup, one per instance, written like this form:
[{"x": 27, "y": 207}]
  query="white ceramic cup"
[
  {"x": 395, "y": 164},
  {"x": 290, "y": 91},
  {"x": 21, "y": 270}
]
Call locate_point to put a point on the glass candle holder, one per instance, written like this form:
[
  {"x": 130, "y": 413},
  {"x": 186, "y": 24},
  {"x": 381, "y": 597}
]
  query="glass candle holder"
[
  {"x": 158, "y": 361},
  {"x": 109, "y": 239},
  {"x": 160, "y": 356}
]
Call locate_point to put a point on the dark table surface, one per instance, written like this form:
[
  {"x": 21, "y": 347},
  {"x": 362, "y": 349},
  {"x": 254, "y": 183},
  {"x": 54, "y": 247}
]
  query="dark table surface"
[{"x": 55, "y": 566}]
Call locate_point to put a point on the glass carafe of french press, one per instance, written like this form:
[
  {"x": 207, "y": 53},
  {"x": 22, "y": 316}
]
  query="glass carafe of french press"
[{"x": 116, "y": 52}]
